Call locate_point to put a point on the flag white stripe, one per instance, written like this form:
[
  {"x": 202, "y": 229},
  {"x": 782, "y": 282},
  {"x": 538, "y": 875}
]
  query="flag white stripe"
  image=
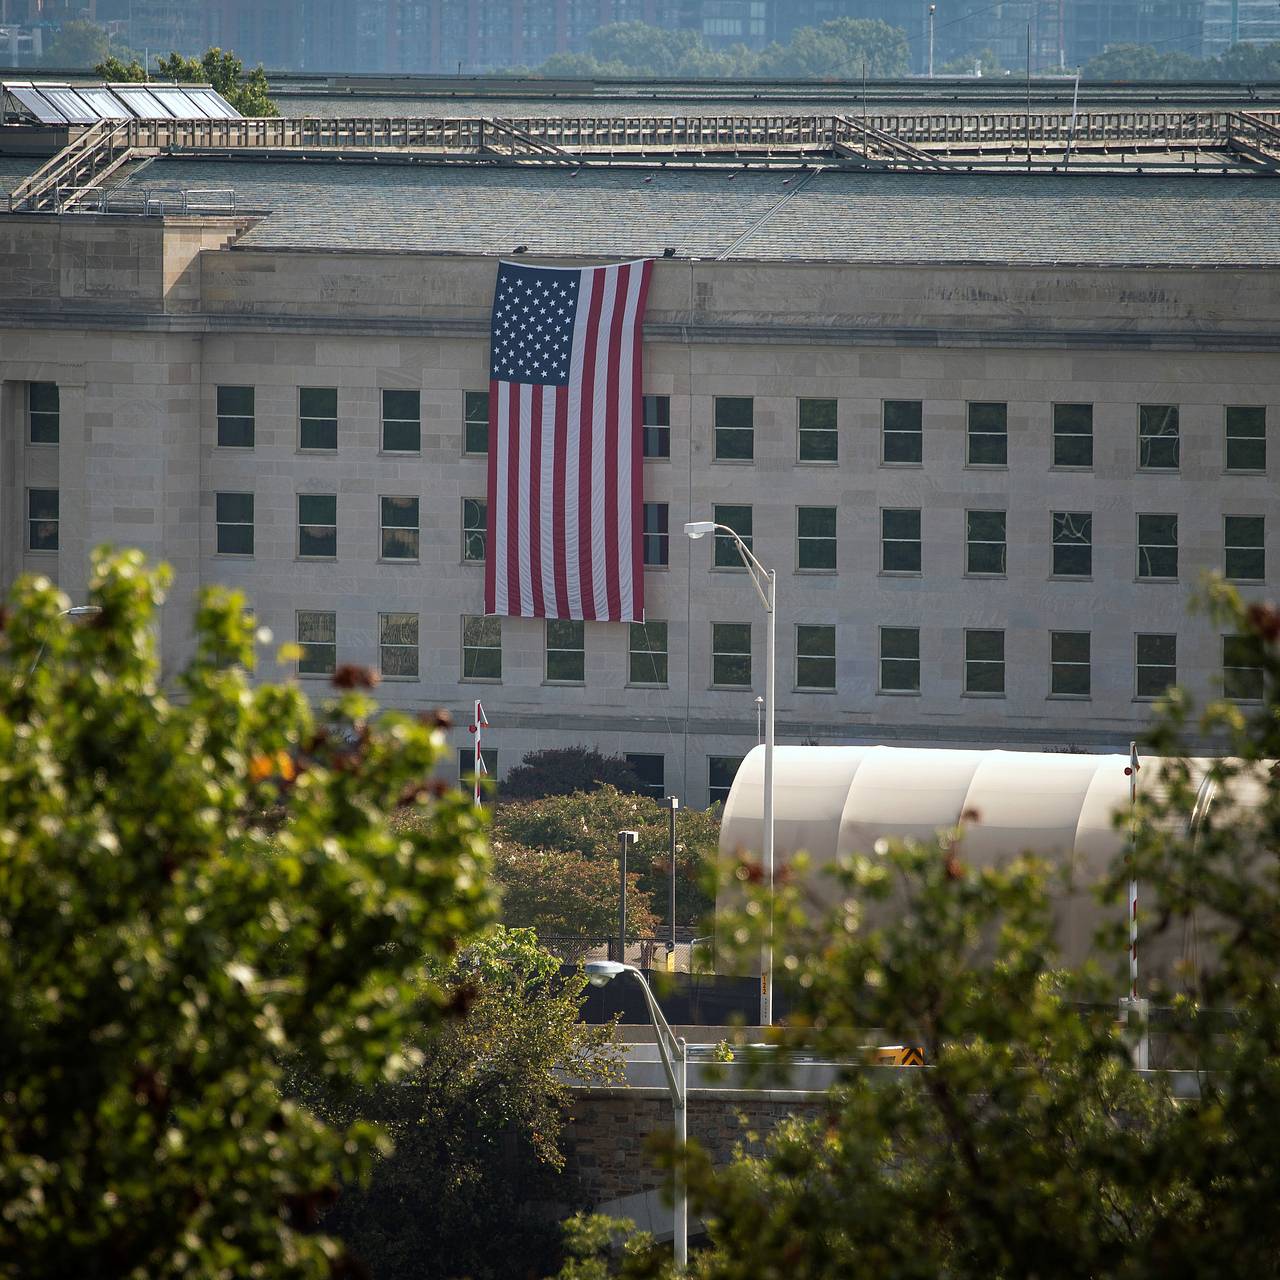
[
  {"x": 499, "y": 548},
  {"x": 546, "y": 514},
  {"x": 523, "y": 482},
  {"x": 600, "y": 403},
  {"x": 574, "y": 451},
  {"x": 622, "y": 479}
]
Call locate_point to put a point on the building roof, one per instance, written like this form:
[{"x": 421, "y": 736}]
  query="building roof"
[{"x": 841, "y": 216}]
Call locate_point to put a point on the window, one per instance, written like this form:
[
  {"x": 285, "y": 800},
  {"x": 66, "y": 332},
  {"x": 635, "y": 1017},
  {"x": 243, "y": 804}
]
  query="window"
[
  {"x": 648, "y": 653},
  {"x": 467, "y": 763},
  {"x": 1155, "y": 664},
  {"x": 652, "y": 772},
  {"x": 1073, "y": 435},
  {"x": 566, "y": 651},
  {"x": 815, "y": 657},
  {"x": 900, "y": 540},
  {"x": 985, "y": 542},
  {"x": 475, "y": 422},
  {"x": 903, "y": 437},
  {"x": 1242, "y": 678},
  {"x": 1069, "y": 664},
  {"x": 233, "y": 516},
  {"x": 401, "y": 422},
  {"x": 1158, "y": 443},
  {"x": 727, "y": 555},
  {"x": 988, "y": 434},
  {"x": 399, "y": 528},
  {"x": 235, "y": 417},
  {"x": 735, "y": 428},
  {"x": 1157, "y": 546},
  {"x": 43, "y": 415},
  {"x": 318, "y": 418},
  {"x": 899, "y": 659},
  {"x": 731, "y": 655},
  {"x": 1245, "y": 556},
  {"x": 721, "y": 771},
  {"x": 1246, "y": 429},
  {"x": 475, "y": 514},
  {"x": 398, "y": 645},
  {"x": 984, "y": 662},
  {"x": 318, "y": 638},
  {"x": 42, "y": 519},
  {"x": 819, "y": 440},
  {"x": 481, "y": 648},
  {"x": 656, "y": 432},
  {"x": 318, "y": 525},
  {"x": 657, "y": 540},
  {"x": 1072, "y": 544},
  {"x": 816, "y": 538}
]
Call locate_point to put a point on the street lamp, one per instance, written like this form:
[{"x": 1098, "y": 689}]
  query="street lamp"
[
  {"x": 674, "y": 1054},
  {"x": 76, "y": 611},
  {"x": 765, "y": 582}
]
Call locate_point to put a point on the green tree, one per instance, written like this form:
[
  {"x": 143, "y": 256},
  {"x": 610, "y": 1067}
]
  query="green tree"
[
  {"x": 1142, "y": 62},
  {"x": 115, "y": 70},
  {"x": 839, "y": 48},
  {"x": 565, "y": 771},
  {"x": 986, "y": 60},
  {"x": 1247, "y": 62},
  {"x": 249, "y": 94},
  {"x": 197, "y": 885},
  {"x": 1029, "y": 1146},
  {"x": 477, "y": 1124},
  {"x": 589, "y": 825},
  {"x": 78, "y": 43}
]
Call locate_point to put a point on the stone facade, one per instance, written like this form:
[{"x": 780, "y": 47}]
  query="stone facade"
[{"x": 139, "y": 321}]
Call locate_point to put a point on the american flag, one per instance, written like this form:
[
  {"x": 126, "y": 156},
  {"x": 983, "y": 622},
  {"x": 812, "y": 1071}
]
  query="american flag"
[{"x": 565, "y": 500}]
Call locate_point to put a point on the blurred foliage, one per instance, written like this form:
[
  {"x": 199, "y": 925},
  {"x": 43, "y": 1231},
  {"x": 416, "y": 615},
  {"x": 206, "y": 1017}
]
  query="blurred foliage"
[
  {"x": 476, "y": 1124},
  {"x": 1143, "y": 62},
  {"x": 589, "y": 825},
  {"x": 1029, "y": 1147},
  {"x": 80, "y": 43},
  {"x": 196, "y": 886},
  {"x": 564, "y": 771},
  {"x": 249, "y": 94}
]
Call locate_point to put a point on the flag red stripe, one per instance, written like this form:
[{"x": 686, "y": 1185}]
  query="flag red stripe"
[
  {"x": 490, "y": 561},
  {"x": 557, "y": 498},
  {"x": 637, "y": 447},
  {"x": 612, "y": 584},
  {"x": 535, "y": 501},
  {"x": 512, "y": 498},
  {"x": 585, "y": 529}
]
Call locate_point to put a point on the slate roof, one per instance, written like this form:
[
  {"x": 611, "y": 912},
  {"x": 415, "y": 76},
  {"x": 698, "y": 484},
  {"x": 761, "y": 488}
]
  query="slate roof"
[
  {"x": 1184, "y": 220},
  {"x": 14, "y": 168}
]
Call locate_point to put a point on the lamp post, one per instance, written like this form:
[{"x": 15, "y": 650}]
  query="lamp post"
[
  {"x": 624, "y": 839},
  {"x": 673, "y": 803},
  {"x": 765, "y": 582},
  {"x": 76, "y": 611},
  {"x": 932, "y": 10},
  {"x": 674, "y": 1054}
]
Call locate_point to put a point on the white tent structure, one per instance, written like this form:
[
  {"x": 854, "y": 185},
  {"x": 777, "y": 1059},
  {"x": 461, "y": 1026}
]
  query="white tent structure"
[{"x": 835, "y": 801}]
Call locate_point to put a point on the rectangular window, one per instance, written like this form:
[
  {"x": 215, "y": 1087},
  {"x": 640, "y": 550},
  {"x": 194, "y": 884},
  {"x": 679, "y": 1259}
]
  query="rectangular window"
[
  {"x": 816, "y": 538},
  {"x": 318, "y": 639},
  {"x": 815, "y": 657},
  {"x": 985, "y": 542},
  {"x": 42, "y": 519},
  {"x": 899, "y": 659},
  {"x": 398, "y": 645},
  {"x": 1244, "y": 555},
  {"x": 233, "y": 516},
  {"x": 1242, "y": 677},
  {"x": 648, "y": 663},
  {"x": 318, "y": 418},
  {"x": 1069, "y": 664},
  {"x": 401, "y": 422},
  {"x": 819, "y": 440},
  {"x": 652, "y": 772},
  {"x": 1073, "y": 435},
  {"x": 235, "y": 417},
  {"x": 1072, "y": 544},
  {"x": 566, "y": 651},
  {"x": 984, "y": 662},
  {"x": 399, "y": 528},
  {"x": 43, "y": 413},
  {"x": 656, "y": 430},
  {"x": 475, "y": 515},
  {"x": 1158, "y": 441},
  {"x": 1155, "y": 664},
  {"x": 735, "y": 428},
  {"x": 318, "y": 525},
  {"x": 481, "y": 648},
  {"x": 721, "y": 771},
  {"x": 657, "y": 539},
  {"x": 900, "y": 540},
  {"x": 475, "y": 422},
  {"x": 731, "y": 655},
  {"x": 902, "y": 440},
  {"x": 1246, "y": 431},
  {"x": 467, "y": 764},
  {"x": 1158, "y": 546},
  {"x": 737, "y": 518},
  {"x": 988, "y": 434}
]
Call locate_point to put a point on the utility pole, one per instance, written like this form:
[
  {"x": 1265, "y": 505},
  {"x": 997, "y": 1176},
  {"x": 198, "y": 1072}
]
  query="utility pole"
[
  {"x": 1028, "y": 119},
  {"x": 673, "y": 803},
  {"x": 625, "y": 838},
  {"x": 932, "y": 10}
]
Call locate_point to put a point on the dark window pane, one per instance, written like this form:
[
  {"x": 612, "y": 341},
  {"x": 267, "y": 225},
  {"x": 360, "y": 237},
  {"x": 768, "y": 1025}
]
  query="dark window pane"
[
  {"x": 986, "y": 542},
  {"x": 1158, "y": 443},
  {"x": 819, "y": 440},
  {"x": 234, "y": 508},
  {"x": 234, "y": 523},
  {"x": 235, "y": 417},
  {"x": 656, "y": 431},
  {"x": 1069, "y": 663},
  {"x": 1157, "y": 546},
  {"x": 317, "y": 520},
  {"x": 475, "y": 427},
  {"x": 400, "y": 513},
  {"x": 1073, "y": 435},
  {"x": 42, "y": 519},
  {"x": 815, "y": 657},
  {"x": 900, "y": 659},
  {"x": 648, "y": 653},
  {"x": 900, "y": 540},
  {"x": 656, "y": 410},
  {"x": 235, "y": 402},
  {"x": 317, "y": 634},
  {"x": 1242, "y": 676},
  {"x": 903, "y": 440},
  {"x": 566, "y": 656},
  {"x": 656, "y": 539},
  {"x": 317, "y": 508},
  {"x": 1246, "y": 438},
  {"x": 467, "y": 764},
  {"x": 734, "y": 411},
  {"x": 1245, "y": 548},
  {"x": 43, "y": 413},
  {"x": 400, "y": 422},
  {"x": 721, "y": 771},
  {"x": 481, "y": 648},
  {"x": 651, "y": 770},
  {"x": 1157, "y": 664},
  {"x": 474, "y": 532},
  {"x": 735, "y": 439},
  {"x": 318, "y": 417},
  {"x": 817, "y": 537},
  {"x": 731, "y": 654},
  {"x": 988, "y": 434},
  {"x": 1072, "y": 544},
  {"x": 318, "y": 402},
  {"x": 737, "y": 518},
  {"x": 984, "y": 662}
]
